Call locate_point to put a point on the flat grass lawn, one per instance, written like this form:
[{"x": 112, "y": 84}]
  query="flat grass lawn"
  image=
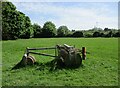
[{"x": 99, "y": 69}]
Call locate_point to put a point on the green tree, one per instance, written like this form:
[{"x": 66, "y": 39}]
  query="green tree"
[
  {"x": 8, "y": 13},
  {"x": 14, "y": 23},
  {"x": 27, "y": 30},
  {"x": 62, "y": 31},
  {"x": 49, "y": 30},
  {"x": 37, "y": 30},
  {"x": 117, "y": 34},
  {"x": 96, "y": 34},
  {"x": 109, "y": 34},
  {"x": 107, "y": 29},
  {"x": 78, "y": 34},
  {"x": 88, "y": 35}
]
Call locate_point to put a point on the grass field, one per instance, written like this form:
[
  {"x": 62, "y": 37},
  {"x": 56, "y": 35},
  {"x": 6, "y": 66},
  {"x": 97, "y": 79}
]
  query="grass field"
[{"x": 99, "y": 69}]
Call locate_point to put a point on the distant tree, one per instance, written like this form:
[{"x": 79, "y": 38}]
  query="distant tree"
[
  {"x": 107, "y": 29},
  {"x": 37, "y": 30},
  {"x": 69, "y": 35},
  {"x": 62, "y": 31},
  {"x": 109, "y": 34},
  {"x": 102, "y": 35},
  {"x": 8, "y": 28},
  {"x": 96, "y": 34},
  {"x": 73, "y": 30},
  {"x": 78, "y": 34},
  {"x": 49, "y": 30},
  {"x": 14, "y": 23},
  {"x": 27, "y": 30},
  {"x": 88, "y": 35},
  {"x": 117, "y": 34}
]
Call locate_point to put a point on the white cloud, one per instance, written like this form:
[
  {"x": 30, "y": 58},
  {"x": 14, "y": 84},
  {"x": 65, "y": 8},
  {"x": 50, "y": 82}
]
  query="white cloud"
[{"x": 74, "y": 17}]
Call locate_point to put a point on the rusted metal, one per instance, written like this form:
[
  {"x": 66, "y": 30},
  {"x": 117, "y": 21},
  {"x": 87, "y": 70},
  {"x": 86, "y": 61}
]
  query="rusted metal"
[
  {"x": 69, "y": 55},
  {"x": 41, "y": 48},
  {"x": 83, "y": 53},
  {"x": 42, "y": 54}
]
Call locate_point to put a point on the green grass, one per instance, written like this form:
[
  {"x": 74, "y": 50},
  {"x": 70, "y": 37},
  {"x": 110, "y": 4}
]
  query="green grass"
[{"x": 99, "y": 69}]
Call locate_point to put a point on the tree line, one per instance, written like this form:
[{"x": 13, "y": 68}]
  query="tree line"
[{"x": 16, "y": 24}]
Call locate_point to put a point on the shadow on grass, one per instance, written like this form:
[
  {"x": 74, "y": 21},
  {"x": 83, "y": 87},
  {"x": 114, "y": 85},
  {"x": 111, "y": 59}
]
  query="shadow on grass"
[{"x": 51, "y": 66}]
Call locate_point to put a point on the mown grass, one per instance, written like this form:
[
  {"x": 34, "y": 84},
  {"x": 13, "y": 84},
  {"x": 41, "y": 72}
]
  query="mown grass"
[{"x": 99, "y": 69}]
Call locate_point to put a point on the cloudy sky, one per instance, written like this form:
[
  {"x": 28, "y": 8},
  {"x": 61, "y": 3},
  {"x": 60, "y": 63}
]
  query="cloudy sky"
[{"x": 75, "y": 15}]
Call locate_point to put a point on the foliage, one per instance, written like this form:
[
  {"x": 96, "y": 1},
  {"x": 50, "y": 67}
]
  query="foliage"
[
  {"x": 109, "y": 34},
  {"x": 96, "y": 34},
  {"x": 107, "y": 29},
  {"x": 77, "y": 34},
  {"x": 27, "y": 29},
  {"x": 62, "y": 31},
  {"x": 14, "y": 23},
  {"x": 37, "y": 30},
  {"x": 88, "y": 35},
  {"x": 7, "y": 10},
  {"x": 49, "y": 30},
  {"x": 117, "y": 34}
]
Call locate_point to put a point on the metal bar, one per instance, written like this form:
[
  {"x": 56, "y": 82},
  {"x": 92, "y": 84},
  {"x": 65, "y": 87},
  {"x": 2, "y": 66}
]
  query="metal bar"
[
  {"x": 42, "y": 54},
  {"x": 40, "y": 48},
  {"x": 56, "y": 51}
]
